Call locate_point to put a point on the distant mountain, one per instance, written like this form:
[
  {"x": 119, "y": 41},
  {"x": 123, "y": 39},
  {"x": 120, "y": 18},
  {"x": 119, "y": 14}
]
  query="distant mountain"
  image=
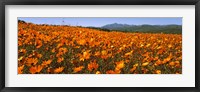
[
  {"x": 174, "y": 29},
  {"x": 115, "y": 26}
]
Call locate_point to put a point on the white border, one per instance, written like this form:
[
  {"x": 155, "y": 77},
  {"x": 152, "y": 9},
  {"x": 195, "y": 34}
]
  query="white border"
[{"x": 187, "y": 79}]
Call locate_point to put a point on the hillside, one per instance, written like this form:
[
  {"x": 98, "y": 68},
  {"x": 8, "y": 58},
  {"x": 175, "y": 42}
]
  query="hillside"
[{"x": 173, "y": 29}]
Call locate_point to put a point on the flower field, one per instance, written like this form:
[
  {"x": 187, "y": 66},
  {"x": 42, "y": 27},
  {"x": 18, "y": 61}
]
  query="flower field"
[{"x": 48, "y": 49}]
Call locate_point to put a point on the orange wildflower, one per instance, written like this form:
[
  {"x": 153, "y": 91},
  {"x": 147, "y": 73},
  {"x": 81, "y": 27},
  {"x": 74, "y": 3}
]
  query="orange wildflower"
[
  {"x": 158, "y": 71},
  {"x": 59, "y": 69},
  {"x": 53, "y": 50},
  {"x": 35, "y": 69},
  {"x": 171, "y": 63},
  {"x": 110, "y": 72},
  {"x": 119, "y": 65},
  {"x": 45, "y": 63},
  {"x": 22, "y": 51},
  {"x": 78, "y": 69},
  {"x": 38, "y": 43},
  {"x": 81, "y": 42},
  {"x": 39, "y": 55},
  {"x": 20, "y": 69},
  {"x": 92, "y": 65},
  {"x": 31, "y": 61},
  {"x": 60, "y": 59},
  {"x": 86, "y": 55},
  {"x": 129, "y": 53}
]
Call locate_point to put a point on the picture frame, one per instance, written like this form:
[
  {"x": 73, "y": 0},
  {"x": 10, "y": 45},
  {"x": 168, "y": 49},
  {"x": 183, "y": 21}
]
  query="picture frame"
[{"x": 98, "y": 2}]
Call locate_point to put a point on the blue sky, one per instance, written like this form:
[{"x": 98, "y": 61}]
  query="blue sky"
[{"x": 100, "y": 21}]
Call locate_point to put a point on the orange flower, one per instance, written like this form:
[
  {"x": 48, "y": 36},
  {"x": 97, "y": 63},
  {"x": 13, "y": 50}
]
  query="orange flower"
[
  {"x": 39, "y": 55},
  {"x": 104, "y": 52},
  {"x": 133, "y": 69},
  {"x": 59, "y": 45},
  {"x": 177, "y": 62},
  {"x": 110, "y": 72},
  {"x": 117, "y": 71},
  {"x": 81, "y": 42},
  {"x": 171, "y": 63},
  {"x": 78, "y": 69},
  {"x": 92, "y": 65},
  {"x": 158, "y": 62},
  {"x": 35, "y": 69},
  {"x": 31, "y": 61},
  {"x": 86, "y": 55},
  {"x": 20, "y": 69},
  {"x": 38, "y": 43},
  {"x": 63, "y": 50},
  {"x": 129, "y": 53},
  {"x": 158, "y": 72},
  {"x": 119, "y": 65},
  {"x": 97, "y": 53},
  {"x": 22, "y": 51},
  {"x": 45, "y": 63},
  {"x": 167, "y": 59},
  {"x": 20, "y": 43},
  {"x": 53, "y": 50},
  {"x": 59, "y": 69},
  {"x": 60, "y": 59},
  {"x": 156, "y": 58}
]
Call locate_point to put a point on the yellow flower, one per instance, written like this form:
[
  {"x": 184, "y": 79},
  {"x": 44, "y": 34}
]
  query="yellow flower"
[
  {"x": 98, "y": 72},
  {"x": 145, "y": 64}
]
